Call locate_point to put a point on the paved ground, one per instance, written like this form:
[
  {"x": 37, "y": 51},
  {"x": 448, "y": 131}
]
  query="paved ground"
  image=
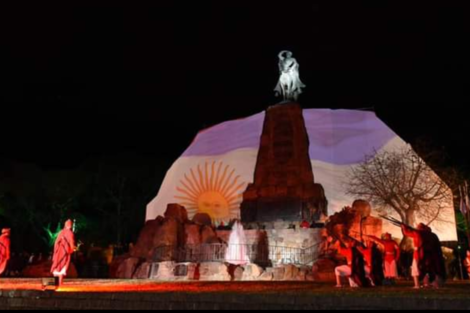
[{"x": 120, "y": 294}]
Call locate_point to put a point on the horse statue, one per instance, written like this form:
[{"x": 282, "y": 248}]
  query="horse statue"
[{"x": 289, "y": 86}]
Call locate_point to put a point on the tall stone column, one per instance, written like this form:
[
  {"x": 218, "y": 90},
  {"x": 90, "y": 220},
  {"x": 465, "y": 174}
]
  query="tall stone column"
[{"x": 284, "y": 188}]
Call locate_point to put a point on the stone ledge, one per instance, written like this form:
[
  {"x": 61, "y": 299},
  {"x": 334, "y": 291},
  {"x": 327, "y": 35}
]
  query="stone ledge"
[
  {"x": 216, "y": 301},
  {"x": 219, "y": 296}
]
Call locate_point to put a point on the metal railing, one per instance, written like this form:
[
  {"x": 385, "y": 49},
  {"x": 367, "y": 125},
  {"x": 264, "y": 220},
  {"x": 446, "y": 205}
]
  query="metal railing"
[{"x": 258, "y": 254}]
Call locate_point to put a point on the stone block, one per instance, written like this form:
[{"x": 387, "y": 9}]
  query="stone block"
[
  {"x": 177, "y": 212},
  {"x": 252, "y": 272},
  {"x": 143, "y": 271},
  {"x": 214, "y": 271},
  {"x": 202, "y": 219},
  {"x": 164, "y": 271},
  {"x": 127, "y": 268}
]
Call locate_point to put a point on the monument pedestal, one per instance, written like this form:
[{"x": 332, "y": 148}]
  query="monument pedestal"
[{"x": 284, "y": 188}]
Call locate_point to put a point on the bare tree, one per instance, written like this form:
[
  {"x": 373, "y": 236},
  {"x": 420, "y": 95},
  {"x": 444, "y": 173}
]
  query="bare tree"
[{"x": 402, "y": 182}]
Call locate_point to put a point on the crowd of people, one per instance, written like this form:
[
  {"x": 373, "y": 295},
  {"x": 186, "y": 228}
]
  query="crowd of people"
[{"x": 368, "y": 266}]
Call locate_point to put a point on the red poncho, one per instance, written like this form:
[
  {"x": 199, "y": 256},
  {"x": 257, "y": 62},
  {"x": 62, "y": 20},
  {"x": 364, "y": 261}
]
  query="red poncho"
[
  {"x": 417, "y": 237},
  {"x": 4, "y": 252},
  {"x": 63, "y": 250},
  {"x": 428, "y": 252},
  {"x": 391, "y": 249}
]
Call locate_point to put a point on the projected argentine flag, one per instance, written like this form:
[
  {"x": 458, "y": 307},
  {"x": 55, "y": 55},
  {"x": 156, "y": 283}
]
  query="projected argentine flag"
[{"x": 212, "y": 174}]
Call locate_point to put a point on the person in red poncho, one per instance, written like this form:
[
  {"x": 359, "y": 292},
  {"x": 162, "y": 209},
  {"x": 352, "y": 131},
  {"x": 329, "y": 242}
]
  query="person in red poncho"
[
  {"x": 467, "y": 263},
  {"x": 4, "y": 250},
  {"x": 416, "y": 235},
  {"x": 428, "y": 261},
  {"x": 63, "y": 250},
  {"x": 391, "y": 257}
]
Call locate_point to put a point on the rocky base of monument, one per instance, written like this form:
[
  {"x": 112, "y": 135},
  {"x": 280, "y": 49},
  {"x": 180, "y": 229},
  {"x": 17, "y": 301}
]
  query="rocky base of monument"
[
  {"x": 174, "y": 248},
  {"x": 212, "y": 272},
  {"x": 161, "y": 239}
]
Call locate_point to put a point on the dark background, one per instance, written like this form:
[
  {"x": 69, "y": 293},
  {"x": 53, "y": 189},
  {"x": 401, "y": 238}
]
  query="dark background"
[
  {"x": 87, "y": 79},
  {"x": 81, "y": 82}
]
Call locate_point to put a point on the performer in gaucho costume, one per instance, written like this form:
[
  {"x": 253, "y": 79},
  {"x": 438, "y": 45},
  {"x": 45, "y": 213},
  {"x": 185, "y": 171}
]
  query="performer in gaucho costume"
[
  {"x": 63, "y": 250},
  {"x": 428, "y": 261},
  {"x": 391, "y": 257},
  {"x": 4, "y": 250}
]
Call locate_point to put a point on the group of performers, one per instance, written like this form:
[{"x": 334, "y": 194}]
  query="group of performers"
[
  {"x": 364, "y": 266},
  {"x": 367, "y": 266},
  {"x": 63, "y": 250}
]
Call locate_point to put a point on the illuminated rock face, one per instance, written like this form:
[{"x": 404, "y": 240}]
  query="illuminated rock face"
[
  {"x": 284, "y": 188},
  {"x": 172, "y": 248},
  {"x": 364, "y": 223},
  {"x": 355, "y": 222}
]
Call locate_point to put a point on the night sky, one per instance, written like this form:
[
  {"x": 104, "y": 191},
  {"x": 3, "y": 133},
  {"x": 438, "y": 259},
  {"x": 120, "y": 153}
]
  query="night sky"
[{"x": 87, "y": 80}]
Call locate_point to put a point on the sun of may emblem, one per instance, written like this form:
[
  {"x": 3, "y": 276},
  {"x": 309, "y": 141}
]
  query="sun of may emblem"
[{"x": 213, "y": 188}]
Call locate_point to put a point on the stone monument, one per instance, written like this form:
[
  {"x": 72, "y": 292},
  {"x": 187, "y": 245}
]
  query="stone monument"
[{"x": 284, "y": 188}]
